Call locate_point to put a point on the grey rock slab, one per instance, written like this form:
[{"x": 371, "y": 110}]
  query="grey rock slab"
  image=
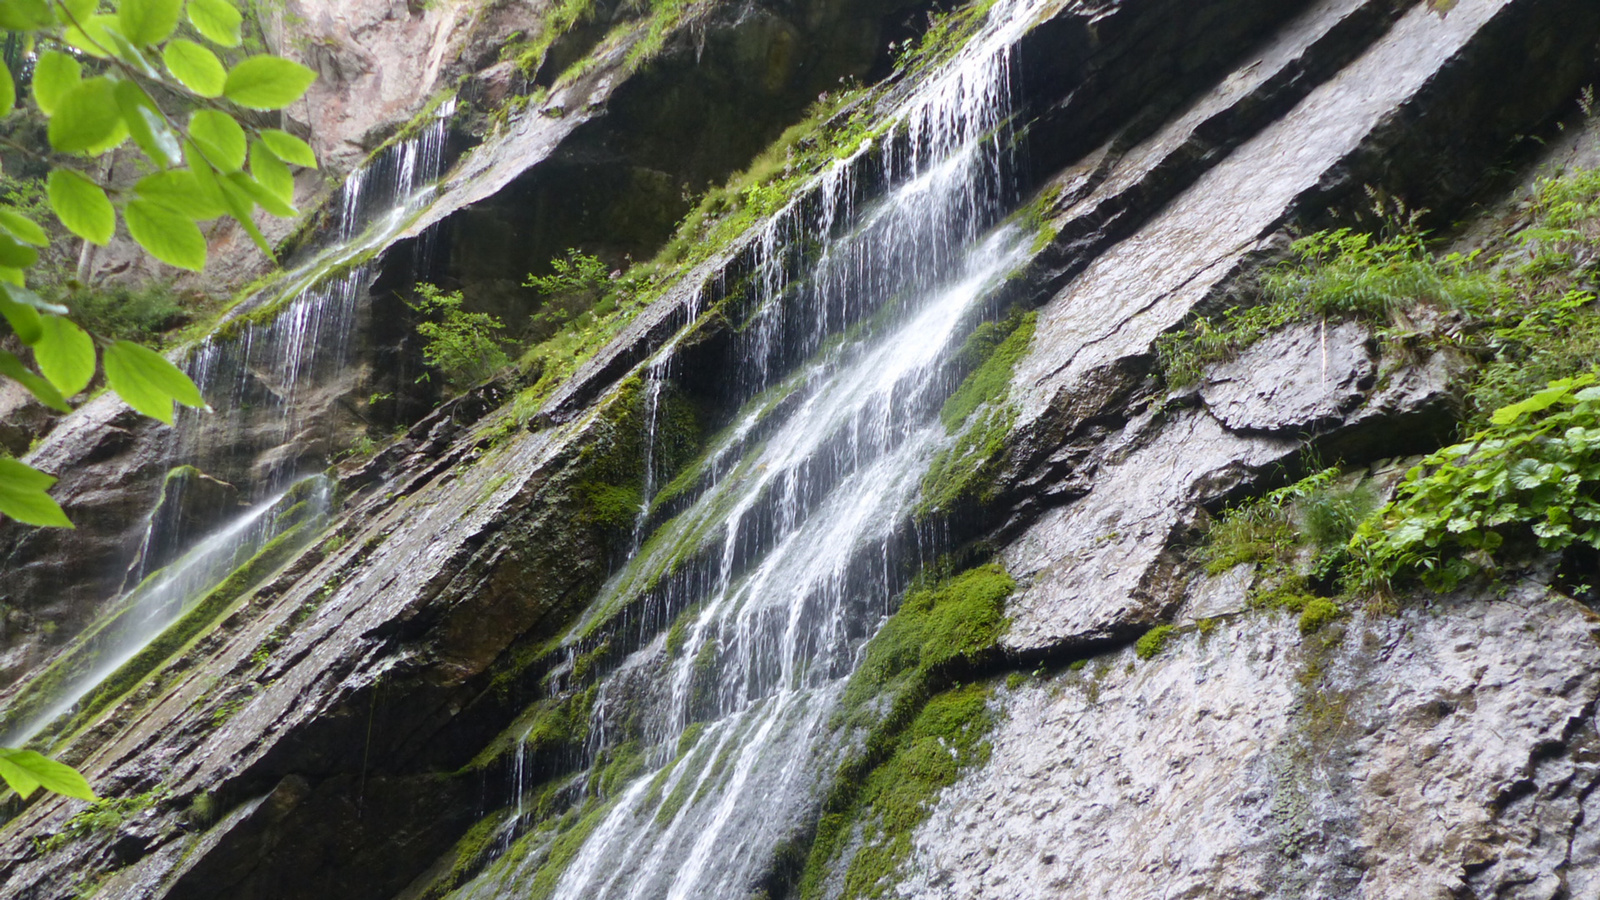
[
  {"x": 1101, "y": 565},
  {"x": 1219, "y": 769},
  {"x": 1215, "y": 118},
  {"x": 1148, "y": 283},
  {"x": 1303, "y": 376}
]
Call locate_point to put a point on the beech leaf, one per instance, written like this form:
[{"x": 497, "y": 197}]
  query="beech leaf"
[
  {"x": 35, "y": 770},
  {"x": 267, "y": 82},
  {"x": 148, "y": 381},
  {"x": 65, "y": 355},
  {"x": 81, "y": 205}
]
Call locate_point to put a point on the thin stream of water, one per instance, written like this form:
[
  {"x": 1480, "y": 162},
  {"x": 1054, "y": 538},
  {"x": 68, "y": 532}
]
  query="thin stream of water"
[{"x": 162, "y": 598}]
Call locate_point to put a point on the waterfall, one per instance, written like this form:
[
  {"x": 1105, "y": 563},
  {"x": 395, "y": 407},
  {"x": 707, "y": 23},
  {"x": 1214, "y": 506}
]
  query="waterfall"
[
  {"x": 705, "y": 745},
  {"x": 257, "y": 371},
  {"x": 256, "y": 375},
  {"x": 140, "y": 615}
]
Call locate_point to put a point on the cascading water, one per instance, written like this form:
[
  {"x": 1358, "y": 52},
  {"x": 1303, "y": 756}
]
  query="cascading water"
[
  {"x": 257, "y": 377},
  {"x": 160, "y": 600},
  {"x": 792, "y": 554}
]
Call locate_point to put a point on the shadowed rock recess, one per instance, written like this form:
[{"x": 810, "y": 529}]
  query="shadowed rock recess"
[{"x": 856, "y": 544}]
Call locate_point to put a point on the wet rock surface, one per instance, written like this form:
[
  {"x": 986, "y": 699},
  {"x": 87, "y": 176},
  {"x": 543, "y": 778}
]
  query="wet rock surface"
[
  {"x": 1294, "y": 381},
  {"x": 1408, "y": 756}
]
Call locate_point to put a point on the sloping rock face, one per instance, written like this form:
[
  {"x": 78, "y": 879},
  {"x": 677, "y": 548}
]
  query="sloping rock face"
[
  {"x": 338, "y": 731},
  {"x": 1445, "y": 752}
]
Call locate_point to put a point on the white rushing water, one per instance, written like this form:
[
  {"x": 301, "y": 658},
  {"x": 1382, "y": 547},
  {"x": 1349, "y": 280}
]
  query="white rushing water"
[
  {"x": 141, "y": 614},
  {"x": 781, "y": 568},
  {"x": 273, "y": 364}
]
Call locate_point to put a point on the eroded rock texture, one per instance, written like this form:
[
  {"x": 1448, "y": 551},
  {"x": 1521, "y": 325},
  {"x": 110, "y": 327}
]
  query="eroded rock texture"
[{"x": 1444, "y": 752}]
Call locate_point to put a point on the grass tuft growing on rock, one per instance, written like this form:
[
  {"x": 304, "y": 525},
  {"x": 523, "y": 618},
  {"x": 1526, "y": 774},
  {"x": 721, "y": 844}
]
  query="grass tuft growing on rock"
[{"x": 1340, "y": 274}]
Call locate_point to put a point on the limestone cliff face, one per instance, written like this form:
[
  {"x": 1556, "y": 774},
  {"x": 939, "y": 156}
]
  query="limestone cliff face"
[{"x": 450, "y": 690}]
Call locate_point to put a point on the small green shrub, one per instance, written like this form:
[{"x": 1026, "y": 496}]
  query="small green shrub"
[
  {"x": 1532, "y": 478},
  {"x": 142, "y": 313},
  {"x": 1261, "y": 530},
  {"x": 464, "y": 346},
  {"x": 576, "y": 284}
]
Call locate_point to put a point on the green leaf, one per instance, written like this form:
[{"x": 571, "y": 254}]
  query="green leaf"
[
  {"x": 270, "y": 171},
  {"x": 81, "y": 205},
  {"x": 1550, "y": 396},
  {"x": 149, "y": 21},
  {"x": 15, "y": 254},
  {"x": 43, "y": 772},
  {"x": 19, "y": 294},
  {"x": 118, "y": 135},
  {"x": 205, "y": 175},
  {"x": 218, "y": 20},
  {"x": 18, "y": 779},
  {"x": 79, "y": 10},
  {"x": 40, "y": 388},
  {"x": 289, "y": 148},
  {"x": 54, "y": 76},
  {"x": 195, "y": 66},
  {"x": 94, "y": 38},
  {"x": 133, "y": 55},
  {"x": 170, "y": 237},
  {"x": 220, "y": 137},
  {"x": 23, "y": 319},
  {"x": 180, "y": 192},
  {"x": 267, "y": 82},
  {"x": 25, "y": 15},
  {"x": 8, "y": 91},
  {"x": 269, "y": 201},
  {"x": 22, "y": 227},
  {"x": 147, "y": 381},
  {"x": 148, "y": 128},
  {"x": 65, "y": 355},
  {"x": 85, "y": 117}
]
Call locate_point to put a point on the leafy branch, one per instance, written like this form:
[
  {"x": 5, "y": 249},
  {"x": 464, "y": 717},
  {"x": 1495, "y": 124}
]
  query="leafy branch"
[{"x": 96, "y": 81}]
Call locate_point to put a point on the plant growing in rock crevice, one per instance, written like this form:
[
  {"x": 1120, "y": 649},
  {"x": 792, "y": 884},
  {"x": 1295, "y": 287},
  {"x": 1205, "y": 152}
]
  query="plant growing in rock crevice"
[
  {"x": 1530, "y": 480},
  {"x": 1296, "y": 536},
  {"x": 466, "y": 347},
  {"x": 1337, "y": 274}
]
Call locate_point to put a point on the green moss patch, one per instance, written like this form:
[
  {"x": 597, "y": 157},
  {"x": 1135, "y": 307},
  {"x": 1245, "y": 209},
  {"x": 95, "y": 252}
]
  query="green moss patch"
[
  {"x": 955, "y": 619},
  {"x": 991, "y": 354},
  {"x": 1152, "y": 642},
  {"x": 921, "y": 731},
  {"x": 965, "y": 473},
  {"x": 946, "y": 737}
]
